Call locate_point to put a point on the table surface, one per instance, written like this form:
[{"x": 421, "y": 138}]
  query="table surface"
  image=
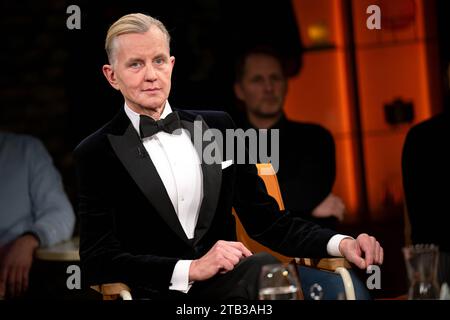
[{"x": 63, "y": 251}]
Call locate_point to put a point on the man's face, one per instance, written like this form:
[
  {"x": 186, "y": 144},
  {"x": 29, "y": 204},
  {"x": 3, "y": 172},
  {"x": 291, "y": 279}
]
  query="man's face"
[
  {"x": 263, "y": 86},
  {"x": 142, "y": 69}
]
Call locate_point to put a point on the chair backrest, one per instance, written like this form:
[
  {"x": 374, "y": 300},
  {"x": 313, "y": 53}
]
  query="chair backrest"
[{"x": 268, "y": 175}]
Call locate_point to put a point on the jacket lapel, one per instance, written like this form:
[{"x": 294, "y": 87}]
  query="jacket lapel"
[
  {"x": 212, "y": 178},
  {"x": 137, "y": 162}
]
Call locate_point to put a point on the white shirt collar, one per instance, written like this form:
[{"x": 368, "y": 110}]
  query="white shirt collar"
[{"x": 135, "y": 117}]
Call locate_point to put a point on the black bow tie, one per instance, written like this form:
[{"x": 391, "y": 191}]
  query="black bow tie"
[{"x": 149, "y": 127}]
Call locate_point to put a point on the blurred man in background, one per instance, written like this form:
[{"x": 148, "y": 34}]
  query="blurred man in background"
[
  {"x": 34, "y": 211},
  {"x": 307, "y": 154}
]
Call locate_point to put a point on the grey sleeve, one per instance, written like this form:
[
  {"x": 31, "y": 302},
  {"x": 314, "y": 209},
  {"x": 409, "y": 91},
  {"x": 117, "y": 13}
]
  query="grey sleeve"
[{"x": 53, "y": 216}]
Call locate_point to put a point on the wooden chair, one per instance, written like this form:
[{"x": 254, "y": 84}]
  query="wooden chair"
[
  {"x": 113, "y": 291},
  {"x": 268, "y": 175}
]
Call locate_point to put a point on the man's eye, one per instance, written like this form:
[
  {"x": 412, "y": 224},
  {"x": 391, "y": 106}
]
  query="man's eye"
[
  {"x": 135, "y": 64},
  {"x": 257, "y": 80},
  {"x": 276, "y": 78},
  {"x": 159, "y": 61}
]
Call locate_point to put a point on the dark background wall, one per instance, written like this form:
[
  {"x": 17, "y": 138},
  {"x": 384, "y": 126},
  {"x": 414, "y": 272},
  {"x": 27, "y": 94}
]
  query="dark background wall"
[{"x": 443, "y": 23}]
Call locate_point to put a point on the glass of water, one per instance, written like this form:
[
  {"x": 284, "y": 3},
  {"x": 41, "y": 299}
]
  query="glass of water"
[
  {"x": 279, "y": 282},
  {"x": 422, "y": 266}
]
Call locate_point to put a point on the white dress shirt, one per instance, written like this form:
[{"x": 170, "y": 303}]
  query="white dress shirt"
[{"x": 179, "y": 167}]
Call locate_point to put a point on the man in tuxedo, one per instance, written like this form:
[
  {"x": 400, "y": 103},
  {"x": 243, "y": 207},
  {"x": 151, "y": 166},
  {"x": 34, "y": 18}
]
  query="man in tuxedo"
[
  {"x": 157, "y": 217},
  {"x": 307, "y": 170}
]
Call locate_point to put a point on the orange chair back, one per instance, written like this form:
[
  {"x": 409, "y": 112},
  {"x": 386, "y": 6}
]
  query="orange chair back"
[{"x": 268, "y": 175}]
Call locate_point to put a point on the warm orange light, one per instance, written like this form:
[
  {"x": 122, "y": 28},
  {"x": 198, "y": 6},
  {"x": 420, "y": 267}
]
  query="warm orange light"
[{"x": 390, "y": 64}]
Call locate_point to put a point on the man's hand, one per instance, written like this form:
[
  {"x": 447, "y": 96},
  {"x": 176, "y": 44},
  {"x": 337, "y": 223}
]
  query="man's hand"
[
  {"x": 353, "y": 249},
  {"x": 222, "y": 257},
  {"x": 15, "y": 263},
  {"x": 331, "y": 206}
]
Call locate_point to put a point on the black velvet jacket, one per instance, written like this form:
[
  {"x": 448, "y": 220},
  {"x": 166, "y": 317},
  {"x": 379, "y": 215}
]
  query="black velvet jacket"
[{"x": 129, "y": 230}]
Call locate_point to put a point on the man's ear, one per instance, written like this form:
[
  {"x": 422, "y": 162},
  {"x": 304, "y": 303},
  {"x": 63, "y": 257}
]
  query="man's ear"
[
  {"x": 108, "y": 71},
  {"x": 238, "y": 91}
]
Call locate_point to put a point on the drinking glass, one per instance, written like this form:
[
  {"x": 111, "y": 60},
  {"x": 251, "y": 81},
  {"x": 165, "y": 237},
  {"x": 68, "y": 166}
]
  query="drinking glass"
[
  {"x": 421, "y": 264},
  {"x": 279, "y": 282}
]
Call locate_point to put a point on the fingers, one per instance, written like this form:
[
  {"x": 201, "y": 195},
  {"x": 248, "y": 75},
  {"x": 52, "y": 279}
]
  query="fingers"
[
  {"x": 340, "y": 213},
  {"x": 25, "y": 274},
  {"x": 18, "y": 282},
  {"x": 373, "y": 252},
  {"x": 232, "y": 255},
  {"x": 226, "y": 265},
  {"x": 369, "y": 251},
  {"x": 3, "y": 279},
  {"x": 332, "y": 205},
  {"x": 239, "y": 246},
  {"x": 228, "y": 254},
  {"x": 11, "y": 282},
  {"x": 350, "y": 249},
  {"x": 339, "y": 208},
  {"x": 234, "y": 252},
  {"x": 22, "y": 280},
  {"x": 222, "y": 257},
  {"x": 377, "y": 253},
  {"x": 357, "y": 259},
  {"x": 367, "y": 245}
]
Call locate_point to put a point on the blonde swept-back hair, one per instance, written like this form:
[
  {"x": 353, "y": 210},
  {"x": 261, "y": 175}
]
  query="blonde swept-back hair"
[{"x": 131, "y": 23}]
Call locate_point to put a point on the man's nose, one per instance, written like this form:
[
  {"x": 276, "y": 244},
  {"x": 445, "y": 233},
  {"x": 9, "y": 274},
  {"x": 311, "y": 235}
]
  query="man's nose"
[
  {"x": 268, "y": 85},
  {"x": 150, "y": 74}
]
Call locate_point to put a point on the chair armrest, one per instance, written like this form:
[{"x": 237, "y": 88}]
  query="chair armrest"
[
  {"x": 349, "y": 288},
  {"x": 113, "y": 291},
  {"x": 330, "y": 264}
]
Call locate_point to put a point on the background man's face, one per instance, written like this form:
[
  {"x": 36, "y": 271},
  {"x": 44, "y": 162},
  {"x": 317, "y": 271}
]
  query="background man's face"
[
  {"x": 263, "y": 86},
  {"x": 143, "y": 68}
]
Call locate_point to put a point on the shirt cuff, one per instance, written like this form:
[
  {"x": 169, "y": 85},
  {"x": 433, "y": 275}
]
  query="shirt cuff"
[
  {"x": 180, "y": 276},
  {"x": 333, "y": 245}
]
